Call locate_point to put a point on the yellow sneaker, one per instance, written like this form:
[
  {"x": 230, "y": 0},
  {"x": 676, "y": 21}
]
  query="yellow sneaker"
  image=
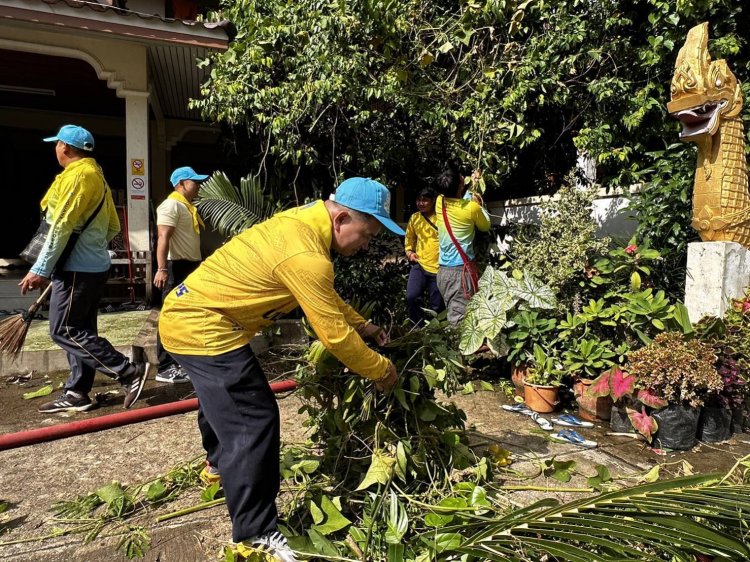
[{"x": 210, "y": 475}]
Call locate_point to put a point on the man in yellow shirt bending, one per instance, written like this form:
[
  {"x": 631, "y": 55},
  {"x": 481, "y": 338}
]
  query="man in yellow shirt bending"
[{"x": 207, "y": 321}]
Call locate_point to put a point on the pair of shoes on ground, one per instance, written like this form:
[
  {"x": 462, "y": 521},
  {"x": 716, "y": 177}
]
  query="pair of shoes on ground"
[
  {"x": 564, "y": 436},
  {"x": 70, "y": 401},
  {"x": 210, "y": 475},
  {"x": 567, "y": 420},
  {"x": 174, "y": 374},
  {"x": 272, "y": 543}
]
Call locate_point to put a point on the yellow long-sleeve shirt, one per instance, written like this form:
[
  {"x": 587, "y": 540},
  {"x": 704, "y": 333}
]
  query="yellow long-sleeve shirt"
[
  {"x": 69, "y": 202},
  {"x": 259, "y": 275},
  {"x": 422, "y": 238}
]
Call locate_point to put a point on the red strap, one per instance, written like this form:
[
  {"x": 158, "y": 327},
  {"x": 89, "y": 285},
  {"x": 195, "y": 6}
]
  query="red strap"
[{"x": 469, "y": 269}]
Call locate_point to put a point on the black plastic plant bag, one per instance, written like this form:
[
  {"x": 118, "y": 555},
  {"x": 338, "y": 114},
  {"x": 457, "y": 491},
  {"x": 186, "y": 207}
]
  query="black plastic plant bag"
[
  {"x": 715, "y": 425},
  {"x": 678, "y": 427}
]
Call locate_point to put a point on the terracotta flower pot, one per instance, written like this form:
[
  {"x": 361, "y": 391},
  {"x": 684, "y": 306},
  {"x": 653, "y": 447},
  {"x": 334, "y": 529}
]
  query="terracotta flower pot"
[
  {"x": 517, "y": 375},
  {"x": 542, "y": 399},
  {"x": 591, "y": 408}
]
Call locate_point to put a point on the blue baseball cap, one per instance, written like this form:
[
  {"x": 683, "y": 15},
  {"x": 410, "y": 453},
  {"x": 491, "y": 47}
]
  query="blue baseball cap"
[
  {"x": 74, "y": 136},
  {"x": 185, "y": 173},
  {"x": 370, "y": 197}
]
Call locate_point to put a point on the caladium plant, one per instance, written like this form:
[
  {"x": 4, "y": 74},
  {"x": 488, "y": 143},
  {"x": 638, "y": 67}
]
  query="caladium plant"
[{"x": 621, "y": 387}]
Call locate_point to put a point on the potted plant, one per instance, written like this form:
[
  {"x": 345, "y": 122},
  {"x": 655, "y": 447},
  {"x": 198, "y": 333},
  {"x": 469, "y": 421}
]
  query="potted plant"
[
  {"x": 730, "y": 338},
  {"x": 529, "y": 329},
  {"x": 715, "y": 424},
  {"x": 542, "y": 381},
  {"x": 628, "y": 410},
  {"x": 682, "y": 372},
  {"x": 584, "y": 359}
]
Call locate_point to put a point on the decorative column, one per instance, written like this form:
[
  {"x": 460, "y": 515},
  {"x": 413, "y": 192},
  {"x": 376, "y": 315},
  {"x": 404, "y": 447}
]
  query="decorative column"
[{"x": 137, "y": 161}]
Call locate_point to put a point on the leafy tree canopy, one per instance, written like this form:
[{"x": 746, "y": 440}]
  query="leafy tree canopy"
[{"x": 390, "y": 88}]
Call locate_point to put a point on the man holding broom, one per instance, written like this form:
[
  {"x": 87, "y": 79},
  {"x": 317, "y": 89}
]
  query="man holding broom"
[
  {"x": 207, "y": 322},
  {"x": 80, "y": 196}
]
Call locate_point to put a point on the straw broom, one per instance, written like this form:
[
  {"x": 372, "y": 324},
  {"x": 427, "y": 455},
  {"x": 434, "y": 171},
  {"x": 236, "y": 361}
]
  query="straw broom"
[{"x": 13, "y": 329}]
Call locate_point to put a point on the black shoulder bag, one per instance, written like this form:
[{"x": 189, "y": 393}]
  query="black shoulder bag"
[{"x": 32, "y": 250}]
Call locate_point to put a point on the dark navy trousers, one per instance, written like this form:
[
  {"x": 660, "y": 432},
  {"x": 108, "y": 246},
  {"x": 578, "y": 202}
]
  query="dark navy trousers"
[
  {"x": 178, "y": 271},
  {"x": 73, "y": 304},
  {"x": 241, "y": 434},
  {"x": 419, "y": 282}
]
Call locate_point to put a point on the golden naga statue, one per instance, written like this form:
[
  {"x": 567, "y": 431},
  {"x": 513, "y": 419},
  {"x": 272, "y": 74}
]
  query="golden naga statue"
[{"x": 707, "y": 99}]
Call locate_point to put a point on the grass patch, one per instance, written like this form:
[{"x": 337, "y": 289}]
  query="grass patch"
[{"x": 120, "y": 328}]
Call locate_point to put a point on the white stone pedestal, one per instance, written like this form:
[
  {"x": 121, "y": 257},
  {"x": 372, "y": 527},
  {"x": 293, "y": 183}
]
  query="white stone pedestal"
[{"x": 717, "y": 272}]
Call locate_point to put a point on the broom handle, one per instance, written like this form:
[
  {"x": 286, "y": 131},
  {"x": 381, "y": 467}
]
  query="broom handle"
[{"x": 34, "y": 307}]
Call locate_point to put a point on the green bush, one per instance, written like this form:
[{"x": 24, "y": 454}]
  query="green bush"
[
  {"x": 563, "y": 245},
  {"x": 377, "y": 276}
]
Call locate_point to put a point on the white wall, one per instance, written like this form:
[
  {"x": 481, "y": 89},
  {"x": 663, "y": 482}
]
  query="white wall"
[{"x": 608, "y": 211}]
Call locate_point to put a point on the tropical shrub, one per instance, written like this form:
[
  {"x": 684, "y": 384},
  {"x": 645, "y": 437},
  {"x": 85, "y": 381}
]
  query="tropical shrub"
[
  {"x": 564, "y": 243},
  {"x": 544, "y": 367},
  {"x": 587, "y": 357},
  {"x": 621, "y": 388},
  {"x": 663, "y": 211},
  {"x": 677, "y": 370},
  {"x": 529, "y": 329},
  {"x": 487, "y": 312},
  {"x": 230, "y": 209}
]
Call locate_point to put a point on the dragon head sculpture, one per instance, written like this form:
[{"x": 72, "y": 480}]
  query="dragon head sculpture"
[{"x": 703, "y": 91}]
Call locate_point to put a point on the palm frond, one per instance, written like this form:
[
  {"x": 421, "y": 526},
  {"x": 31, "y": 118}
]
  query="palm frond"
[
  {"x": 229, "y": 209},
  {"x": 675, "y": 518}
]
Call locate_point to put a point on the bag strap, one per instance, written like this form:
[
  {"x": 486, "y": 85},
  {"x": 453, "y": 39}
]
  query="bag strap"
[
  {"x": 74, "y": 236},
  {"x": 432, "y": 224},
  {"x": 447, "y": 223},
  {"x": 469, "y": 268},
  {"x": 96, "y": 211}
]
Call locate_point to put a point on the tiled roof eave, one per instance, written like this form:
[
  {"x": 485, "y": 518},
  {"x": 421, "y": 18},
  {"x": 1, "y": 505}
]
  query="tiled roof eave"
[{"x": 150, "y": 29}]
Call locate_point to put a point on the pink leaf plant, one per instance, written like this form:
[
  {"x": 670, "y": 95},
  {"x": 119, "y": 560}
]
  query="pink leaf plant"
[
  {"x": 642, "y": 422},
  {"x": 620, "y": 386}
]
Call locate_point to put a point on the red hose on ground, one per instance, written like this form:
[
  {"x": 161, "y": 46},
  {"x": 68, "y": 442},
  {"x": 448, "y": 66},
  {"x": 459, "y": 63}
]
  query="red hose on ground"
[{"x": 30, "y": 437}]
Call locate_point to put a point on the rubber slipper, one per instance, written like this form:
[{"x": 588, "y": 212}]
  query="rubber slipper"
[
  {"x": 569, "y": 420},
  {"x": 574, "y": 438},
  {"x": 518, "y": 409},
  {"x": 543, "y": 422}
]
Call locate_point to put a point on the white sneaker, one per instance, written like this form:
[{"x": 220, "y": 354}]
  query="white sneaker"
[
  {"x": 173, "y": 374},
  {"x": 273, "y": 543}
]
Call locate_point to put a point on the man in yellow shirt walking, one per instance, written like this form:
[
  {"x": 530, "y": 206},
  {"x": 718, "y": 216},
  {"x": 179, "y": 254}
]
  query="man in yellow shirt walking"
[
  {"x": 208, "y": 320},
  {"x": 82, "y": 220},
  {"x": 421, "y": 245}
]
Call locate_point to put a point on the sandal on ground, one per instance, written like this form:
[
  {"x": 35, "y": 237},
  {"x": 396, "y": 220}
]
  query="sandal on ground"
[
  {"x": 574, "y": 438},
  {"x": 526, "y": 411},
  {"x": 569, "y": 420},
  {"x": 518, "y": 409},
  {"x": 543, "y": 422}
]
